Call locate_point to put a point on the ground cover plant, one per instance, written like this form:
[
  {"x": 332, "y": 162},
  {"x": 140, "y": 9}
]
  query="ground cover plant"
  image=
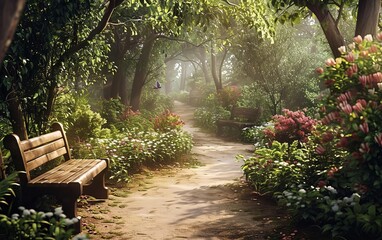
[{"x": 332, "y": 176}]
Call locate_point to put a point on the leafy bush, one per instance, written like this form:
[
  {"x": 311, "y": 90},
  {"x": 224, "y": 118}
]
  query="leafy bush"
[
  {"x": 207, "y": 116},
  {"x": 340, "y": 183},
  {"x": 154, "y": 103},
  {"x": 112, "y": 111},
  {"x": 256, "y": 134},
  {"x": 130, "y": 150},
  {"x": 291, "y": 126},
  {"x": 167, "y": 121},
  {"x": 273, "y": 169},
  {"x": 228, "y": 96},
  {"x": 78, "y": 118}
]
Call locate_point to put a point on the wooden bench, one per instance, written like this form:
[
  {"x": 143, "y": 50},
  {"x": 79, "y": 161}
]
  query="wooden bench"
[
  {"x": 240, "y": 118},
  {"x": 67, "y": 181}
]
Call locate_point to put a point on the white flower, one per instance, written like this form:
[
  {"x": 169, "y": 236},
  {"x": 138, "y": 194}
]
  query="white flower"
[
  {"x": 302, "y": 205},
  {"x": 80, "y": 237},
  {"x": 68, "y": 222},
  {"x": 331, "y": 189},
  {"x": 15, "y": 216},
  {"x": 351, "y": 45},
  {"x": 342, "y": 49},
  {"x": 371, "y": 91},
  {"x": 49, "y": 214},
  {"x": 379, "y": 86},
  {"x": 26, "y": 212},
  {"x": 288, "y": 204},
  {"x": 335, "y": 208},
  {"x": 21, "y": 208},
  {"x": 32, "y": 211},
  {"x": 368, "y": 38},
  {"x": 58, "y": 211},
  {"x": 62, "y": 215},
  {"x": 302, "y": 191}
]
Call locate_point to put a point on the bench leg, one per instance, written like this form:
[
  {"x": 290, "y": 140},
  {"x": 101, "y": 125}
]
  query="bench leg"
[
  {"x": 69, "y": 206},
  {"x": 97, "y": 187}
]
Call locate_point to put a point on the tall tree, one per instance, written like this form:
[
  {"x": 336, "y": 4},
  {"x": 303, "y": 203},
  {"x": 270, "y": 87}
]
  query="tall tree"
[
  {"x": 329, "y": 14},
  {"x": 50, "y": 34}
]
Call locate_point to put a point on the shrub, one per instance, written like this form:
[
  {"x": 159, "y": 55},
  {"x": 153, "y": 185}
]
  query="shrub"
[
  {"x": 167, "y": 121},
  {"x": 131, "y": 150},
  {"x": 228, "y": 96},
  {"x": 291, "y": 126},
  {"x": 207, "y": 116}
]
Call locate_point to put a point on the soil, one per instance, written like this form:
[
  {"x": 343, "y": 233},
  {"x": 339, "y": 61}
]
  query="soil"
[{"x": 204, "y": 198}]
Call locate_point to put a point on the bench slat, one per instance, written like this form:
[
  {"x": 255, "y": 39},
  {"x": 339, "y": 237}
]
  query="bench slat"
[
  {"x": 38, "y": 141},
  {"x": 75, "y": 170},
  {"x": 45, "y": 158},
  {"x": 32, "y": 154}
]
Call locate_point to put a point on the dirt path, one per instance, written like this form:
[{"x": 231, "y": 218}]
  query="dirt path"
[{"x": 205, "y": 202}]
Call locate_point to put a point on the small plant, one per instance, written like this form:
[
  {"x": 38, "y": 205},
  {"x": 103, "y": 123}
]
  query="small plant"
[
  {"x": 30, "y": 224},
  {"x": 228, "y": 96},
  {"x": 167, "y": 121}
]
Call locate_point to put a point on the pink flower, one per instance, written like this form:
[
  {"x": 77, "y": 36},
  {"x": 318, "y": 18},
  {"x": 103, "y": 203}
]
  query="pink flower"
[
  {"x": 378, "y": 139},
  {"x": 319, "y": 70},
  {"x": 330, "y": 62},
  {"x": 350, "y": 57},
  {"x": 364, "y": 54},
  {"x": 346, "y": 107},
  {"x": 331, "y": 172},
  {"x": 379, "y": 36},
  {"x": 320, "y": 150},
  {"x": 373, "y": 49},
  {"x": 321, "y": 184},
  {"x": 327, "y": 137},
  {"x": 358, "y": 107},
  {"x": 357, "y": 39},
  {"x": 364, "y": 127},
  {"x": 364, "y": 148},
  {"x": 377, "y": 77},
  {"x": 343, "y": 142},
  {"x": 364, "y": 80}
]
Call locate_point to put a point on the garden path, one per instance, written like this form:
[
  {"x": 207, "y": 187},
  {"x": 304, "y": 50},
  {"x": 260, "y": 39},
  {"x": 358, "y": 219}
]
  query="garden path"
[{"x": 209, "y": 201}]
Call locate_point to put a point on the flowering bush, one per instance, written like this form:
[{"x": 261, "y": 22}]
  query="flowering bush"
[
  {"x": 353, "y": 105},
  {"x": 228, "y": 96},
  {"x": 340, "y": 186},
  {"x": 132, "y": 149},
  {"x": 167, "y": 121},
  {"x": 291, "y": 126}
]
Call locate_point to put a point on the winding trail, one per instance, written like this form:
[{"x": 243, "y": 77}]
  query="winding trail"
[{"x": 206, "y": 202}]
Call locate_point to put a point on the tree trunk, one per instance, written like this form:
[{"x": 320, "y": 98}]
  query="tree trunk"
[
  {"x": 141, "y": 71},
  {"x": 203, "y": 61},
  {"x": 117, "y": 79},
  {"x": 367, "y": 17},
  {"x": 10, "y": 11},
  {"x": 328, "y": 25},
  {"x": 17, "y": 117},
  {"x": 215, "y": 76},
  {"x": 183, "y": 76},
  {"x": 170, "y": 75}
]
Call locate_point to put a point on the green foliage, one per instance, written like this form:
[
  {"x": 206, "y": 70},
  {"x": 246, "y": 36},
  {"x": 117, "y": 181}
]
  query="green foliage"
[
  {"x": 207, "y": 116},
  {"x": 228, "y": 96},
  {"x": 35, "y": 66},
  {"x": 273, "y": 169},
  {"x": 7, "y": 189},
  {"x": 131, "y": 150},
  {"x": 154, "y": 103},
  {"x": 30, "y": 224},
  {"x": 81, "y": 122},
  {"x": 112, "y": 111},
  {"x": 338, "y": 184}
]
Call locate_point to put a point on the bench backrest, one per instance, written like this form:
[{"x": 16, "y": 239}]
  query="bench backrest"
[
  {"x": 250, "y": 114},
  {"x": 34, "y": 152}
]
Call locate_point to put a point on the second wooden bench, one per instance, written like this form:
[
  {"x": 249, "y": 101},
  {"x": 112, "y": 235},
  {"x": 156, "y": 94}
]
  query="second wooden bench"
[{"x": 241, "y": 117}]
